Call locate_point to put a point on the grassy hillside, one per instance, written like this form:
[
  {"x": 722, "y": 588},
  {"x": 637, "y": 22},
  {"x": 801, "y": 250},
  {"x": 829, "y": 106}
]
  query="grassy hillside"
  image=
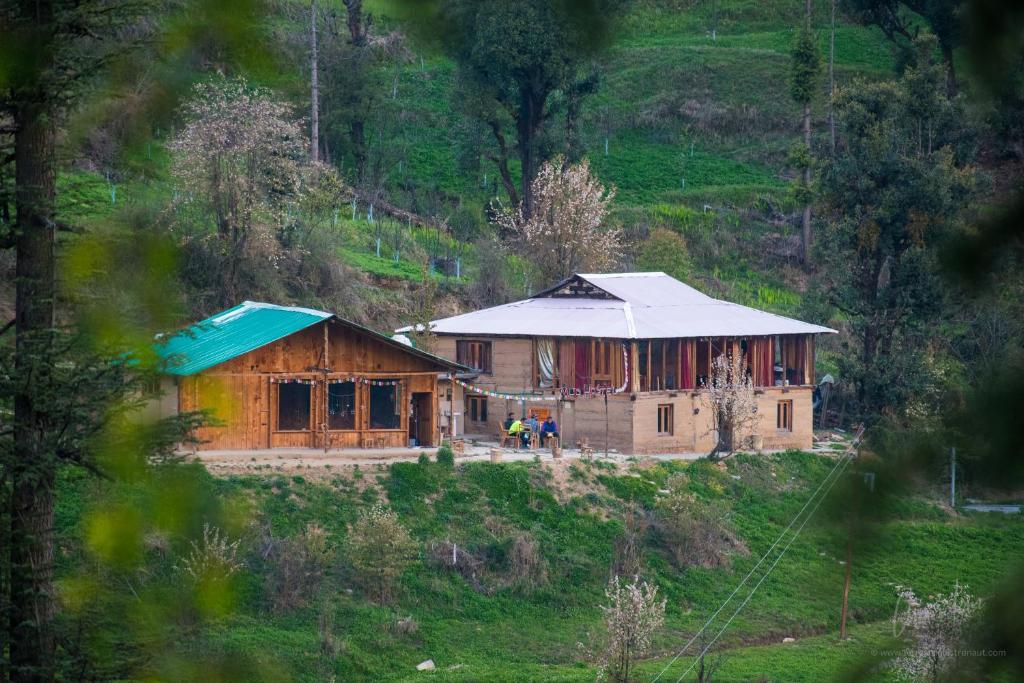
[
  {"x": 494, "y": 625},
  {"x": 692, "y": 132}
]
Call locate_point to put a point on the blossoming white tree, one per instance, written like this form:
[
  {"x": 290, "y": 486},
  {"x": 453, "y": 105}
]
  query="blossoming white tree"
[
  {"x": 564, "y": 232},
  {"x": 935, "y": 629},
  {"x": 239, "y": 156},
  {"x": 733, "y": 404},
  {"x": 631, "y": 617}
]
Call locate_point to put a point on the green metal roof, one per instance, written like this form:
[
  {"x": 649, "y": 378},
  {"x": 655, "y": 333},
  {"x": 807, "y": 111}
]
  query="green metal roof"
[
  {"x": 250, "y": 325},
  {"x": 233, "y": 332}
]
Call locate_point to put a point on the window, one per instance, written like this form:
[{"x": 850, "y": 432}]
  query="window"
[
  {"x": 385, "y": 406},
  {"x": 603, "y": 358},
  {"x": 784, "y": 419},
  {"x": 476, "y": 408},
  {"x": 293, "y": 403},
  {"x": 665, "y": 419},
  {"x": 474, "y": 354},
  {"x": 341, "y": 405},
  {"x": 643, "y": 353}
]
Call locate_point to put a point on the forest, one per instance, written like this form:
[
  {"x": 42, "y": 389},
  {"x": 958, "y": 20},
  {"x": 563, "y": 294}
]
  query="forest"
[{"x": 856, "y": 164}]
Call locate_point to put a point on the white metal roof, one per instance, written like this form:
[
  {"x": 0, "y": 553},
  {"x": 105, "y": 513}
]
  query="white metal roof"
[{"x": 622, "y": 306}]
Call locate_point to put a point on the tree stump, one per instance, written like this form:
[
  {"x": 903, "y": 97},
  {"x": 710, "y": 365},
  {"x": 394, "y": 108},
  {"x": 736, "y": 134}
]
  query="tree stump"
[{"x": 495, "y": 455}]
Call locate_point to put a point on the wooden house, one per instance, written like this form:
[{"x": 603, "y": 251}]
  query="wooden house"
[
  {"x": 621, "y": 360},
  {"x": 277, "y": 376}
]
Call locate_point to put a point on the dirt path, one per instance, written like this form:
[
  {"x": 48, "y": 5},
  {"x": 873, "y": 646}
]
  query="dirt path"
[{"x": 315, "y": 462}]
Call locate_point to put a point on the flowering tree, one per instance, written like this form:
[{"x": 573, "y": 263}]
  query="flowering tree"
[
  {"x": 935, "y": 630},
  {"x": 631, "y": 617},
  {"x": 239, "y": 158},
  {"x": 563, "y": 232},
  {"x": 733, "y": 405}
]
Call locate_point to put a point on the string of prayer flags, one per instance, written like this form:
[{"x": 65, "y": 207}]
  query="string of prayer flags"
[{"x": 338, "y": 380}]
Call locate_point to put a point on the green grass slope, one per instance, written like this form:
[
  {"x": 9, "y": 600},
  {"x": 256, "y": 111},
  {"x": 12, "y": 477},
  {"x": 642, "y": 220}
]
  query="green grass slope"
[{"x": 489, "y": 627}]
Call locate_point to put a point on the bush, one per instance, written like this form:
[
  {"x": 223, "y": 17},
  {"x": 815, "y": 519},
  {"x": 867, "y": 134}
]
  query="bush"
[
  {"x": 696, "y": 533},
  {"x": 445, "y": 456},
  {"x": 379, "y": 550},
  {"x": 526, "y": 564},
  {"x": 424, "y": 459},
  {"x": 295, "y": 567},
  {"x": 214, "y": 559},
  {"x": 666, "y": 251}
]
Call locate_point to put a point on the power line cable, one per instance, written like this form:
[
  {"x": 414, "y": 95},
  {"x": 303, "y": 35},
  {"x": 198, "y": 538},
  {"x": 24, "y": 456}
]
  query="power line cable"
[
  {"x": 845, "y": 462},
  {"x": 749, "y": 574}
]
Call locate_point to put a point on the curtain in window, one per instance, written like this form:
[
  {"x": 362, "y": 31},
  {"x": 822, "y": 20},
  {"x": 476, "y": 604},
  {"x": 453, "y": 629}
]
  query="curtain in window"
[
  {"x": 799, "y": 360},
  {"x": 582, "y": 365},
  {"x": 567, "y": 362},
  {"x": 688, "y": 363},
  {"x": 545, "y": 362},
  {"x": 762, "y": 361}
]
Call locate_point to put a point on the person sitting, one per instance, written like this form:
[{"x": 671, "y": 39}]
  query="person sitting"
[
  {"x": 548, "y": 429},
  {"x": 533, "y": 425},
  {"x": 515, "y": 430},
  {"x": 508, "y": 422}
]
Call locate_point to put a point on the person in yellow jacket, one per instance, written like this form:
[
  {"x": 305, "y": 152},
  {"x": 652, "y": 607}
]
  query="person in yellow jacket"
[{"x": 515, "y": 430}]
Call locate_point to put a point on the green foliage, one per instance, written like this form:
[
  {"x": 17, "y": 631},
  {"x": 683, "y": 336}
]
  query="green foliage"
[
  {"x": 484, "y": 509},
  {"x": 894, "y": 192},
  {"x": 445, "y": 456},
  {"x": 805, "y": 68},
  {"x": 666, "y": 251}
]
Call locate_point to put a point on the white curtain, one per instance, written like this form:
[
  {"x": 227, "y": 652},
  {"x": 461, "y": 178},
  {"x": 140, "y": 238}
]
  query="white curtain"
[{"x": 546, "y": 362}]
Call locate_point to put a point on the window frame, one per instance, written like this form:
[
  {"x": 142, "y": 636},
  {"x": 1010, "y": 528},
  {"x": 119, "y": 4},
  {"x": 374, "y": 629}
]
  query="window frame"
[
  {"x": 355, "y": 407},
  {"x": 666, "y": 419},
  {"x": 784, "y": 415},
  {"x": 484, "y": 356},
  {"x": 478, "y": 401},
  {"x": 397, "y": 389},
  {"x": 602, "y": 360},
  {"x": 309, "y": 407}
]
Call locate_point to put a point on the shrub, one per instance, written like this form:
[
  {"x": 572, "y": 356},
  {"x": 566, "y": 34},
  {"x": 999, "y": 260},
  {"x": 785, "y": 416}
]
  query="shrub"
[
  {"x": 213, "y": 559},
  {"x": 424, "y": 459},
  {"x": 526, "y": 564},
  {"x": 445, "y": 456},
  {"x": 379, "y": 550},
  {"x": 696, "y": 533},
  {"x": 296, "y": 567},
  {"x": 627, "y": 548},
  {"x": 666, "y": 251}
]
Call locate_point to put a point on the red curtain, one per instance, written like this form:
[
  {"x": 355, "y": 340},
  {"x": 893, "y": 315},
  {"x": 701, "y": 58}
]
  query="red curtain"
[
  {"x": 582, "y": 365},
  {"x": 687, "y": 357},
  {"x": 799, "y": 360}
]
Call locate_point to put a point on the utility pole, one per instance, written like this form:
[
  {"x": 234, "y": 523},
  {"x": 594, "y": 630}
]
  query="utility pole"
[{"x": 846, "y": 589}]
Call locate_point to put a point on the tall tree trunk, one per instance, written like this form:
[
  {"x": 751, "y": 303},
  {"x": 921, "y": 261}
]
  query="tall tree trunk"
[
  {"x": 805, "y": 228},
  {"x": 359, "y": 146},
  {"x": 947, "y": 57},
  {"x": 314, "y": 80},
  {"x": 357, "y": 29},
  {"x": 501, "y": 161},
  {"x": 34, "y": 468},
  {"x": 528, "y": 121},
  {"x": 832, "y": 80}
]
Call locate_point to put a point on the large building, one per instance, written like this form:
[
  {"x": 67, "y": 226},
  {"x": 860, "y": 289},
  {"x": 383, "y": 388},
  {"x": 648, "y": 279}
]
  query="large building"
[
  {"x": 621, "y": 360},
  {"x": 285, "y": 377}
]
